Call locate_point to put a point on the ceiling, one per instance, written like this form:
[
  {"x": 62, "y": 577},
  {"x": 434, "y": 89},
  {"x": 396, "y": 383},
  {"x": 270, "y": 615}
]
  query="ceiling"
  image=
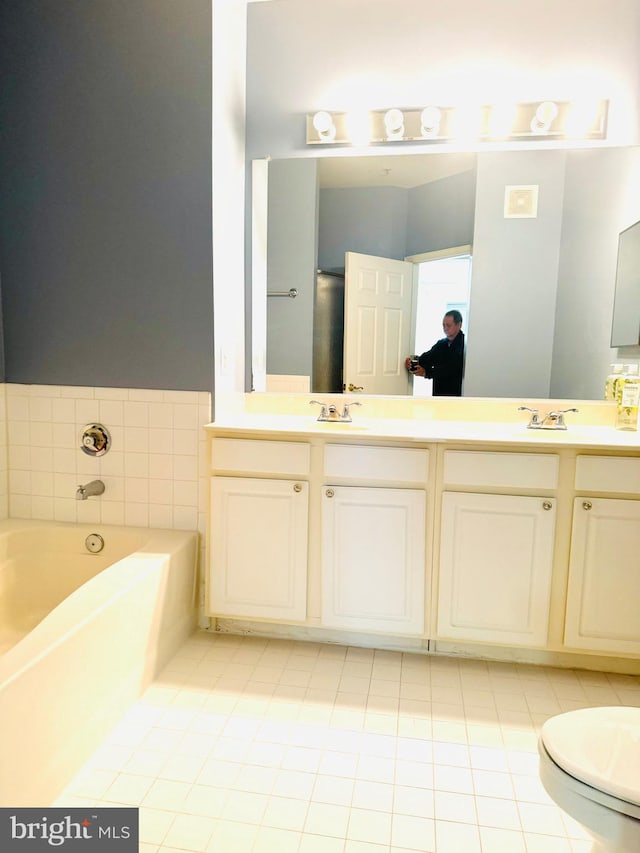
[{"x": 392, "y": 170}]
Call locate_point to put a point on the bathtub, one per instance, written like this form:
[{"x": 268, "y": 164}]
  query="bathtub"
[{"x": 82, "y": 635}]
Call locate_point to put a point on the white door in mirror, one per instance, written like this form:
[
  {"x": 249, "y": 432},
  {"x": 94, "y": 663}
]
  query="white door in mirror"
[{"x": 378, "y": 304}]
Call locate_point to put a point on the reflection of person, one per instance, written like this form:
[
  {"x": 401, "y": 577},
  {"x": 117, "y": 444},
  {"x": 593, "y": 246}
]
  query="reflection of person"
[{"x": 444, "y": 362}]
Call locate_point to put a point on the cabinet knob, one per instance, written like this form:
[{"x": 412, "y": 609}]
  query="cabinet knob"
[
  {"x": 297, "y": 487},
  {"x": 586, "y": 505},
  {"x": 330, "y": 493},
  {"x": 547, "y": 505}
]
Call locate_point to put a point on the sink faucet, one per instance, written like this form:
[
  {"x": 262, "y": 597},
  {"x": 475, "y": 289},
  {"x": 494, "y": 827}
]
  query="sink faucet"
[
  {"x": 95, "y": 487},
  {"x": 550, "y": 420},
  {"x": 330, "y": 412}
]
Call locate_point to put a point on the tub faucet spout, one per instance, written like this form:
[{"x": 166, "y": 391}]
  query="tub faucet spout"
[{"x": 95, "y": 487}]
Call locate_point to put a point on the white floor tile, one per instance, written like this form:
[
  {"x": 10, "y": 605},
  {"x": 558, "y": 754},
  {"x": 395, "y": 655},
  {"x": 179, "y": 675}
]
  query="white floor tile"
[{"x": 250, "y": 745}]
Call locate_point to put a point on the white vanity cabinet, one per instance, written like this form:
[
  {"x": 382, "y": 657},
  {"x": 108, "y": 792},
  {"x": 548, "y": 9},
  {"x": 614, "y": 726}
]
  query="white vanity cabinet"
[
  {"x": 604, "y": 571},
  {"x": 496, "y": 550},
  {"x": 258, "y": 530},
  {"x": 374, "y": 539}
]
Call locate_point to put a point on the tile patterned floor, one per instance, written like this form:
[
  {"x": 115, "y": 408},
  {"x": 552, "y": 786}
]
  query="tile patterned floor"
[{"x": 249, "y": 745}]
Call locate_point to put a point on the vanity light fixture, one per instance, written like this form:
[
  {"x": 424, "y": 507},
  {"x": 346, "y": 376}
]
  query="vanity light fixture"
[
  {"x": 502, "y": 120},
  {"x": 394, "y": 124},
  {"x": 539, "y": 120},
  {"x": 544, "y": 116},
  {"x": 324, "y": 126},
  {"x": 430, "y": 119}
]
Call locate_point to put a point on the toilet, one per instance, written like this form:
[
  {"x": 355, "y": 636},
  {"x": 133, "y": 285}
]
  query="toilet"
[{"x": 590, "y": 767}]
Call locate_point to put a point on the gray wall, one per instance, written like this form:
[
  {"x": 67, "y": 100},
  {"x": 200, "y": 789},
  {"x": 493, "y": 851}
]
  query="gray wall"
[
  {"x": 602, "y": 198},
  {"x": 105, "y": 223},
  {"x": 441, "y": 214},
  {"x": 393, "y": 222},
  {"x": 514, "y": 278},
  {"x": 370, "y": 220},
  {"x": 291, "y": 263}
]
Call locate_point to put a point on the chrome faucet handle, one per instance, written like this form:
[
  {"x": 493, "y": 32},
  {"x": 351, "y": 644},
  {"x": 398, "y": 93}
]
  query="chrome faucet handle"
[
  {"x": 534, "y": 420},
  {"x": 324, "y": 414},
  {"x": 346, "y": 414},
  {"x": 557, "y": 417}
]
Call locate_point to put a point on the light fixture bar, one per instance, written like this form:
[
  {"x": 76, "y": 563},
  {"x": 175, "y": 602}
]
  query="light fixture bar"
[{"x": 537, "y": 120}]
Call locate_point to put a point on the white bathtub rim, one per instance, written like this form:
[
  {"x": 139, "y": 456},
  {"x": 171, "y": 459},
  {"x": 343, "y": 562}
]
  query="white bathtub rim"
[{"x": 95, "y": 595}]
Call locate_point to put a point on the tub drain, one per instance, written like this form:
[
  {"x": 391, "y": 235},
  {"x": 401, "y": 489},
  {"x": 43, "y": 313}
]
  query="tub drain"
[{"x": 94, "y": 543}]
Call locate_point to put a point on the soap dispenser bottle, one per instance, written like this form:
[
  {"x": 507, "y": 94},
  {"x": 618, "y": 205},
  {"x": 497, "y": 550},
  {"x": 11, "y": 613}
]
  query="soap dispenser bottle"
[
  {"x": 628, "y": 398},
  {"x": 611, "y": 380}
]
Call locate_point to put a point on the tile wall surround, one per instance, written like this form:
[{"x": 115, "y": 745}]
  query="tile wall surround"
[{"x": 154, "y": 473}]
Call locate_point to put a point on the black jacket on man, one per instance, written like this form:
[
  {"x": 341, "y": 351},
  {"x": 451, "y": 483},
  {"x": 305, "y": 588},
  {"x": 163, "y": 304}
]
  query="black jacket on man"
[{"x": 444, "y": 363}]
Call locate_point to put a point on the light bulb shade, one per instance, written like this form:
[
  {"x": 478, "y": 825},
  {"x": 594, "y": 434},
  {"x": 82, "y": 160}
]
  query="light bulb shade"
[
  {"x": 545, "y": 115},
  {"x": 325, "y": 126},
  {"x": 430, "y": 119},
  {"x": 322, "y": 121},
  {"x": 394, "y": 121}
]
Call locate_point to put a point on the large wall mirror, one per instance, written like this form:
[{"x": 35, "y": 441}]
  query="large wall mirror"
[{"x": 537, "y": 232}]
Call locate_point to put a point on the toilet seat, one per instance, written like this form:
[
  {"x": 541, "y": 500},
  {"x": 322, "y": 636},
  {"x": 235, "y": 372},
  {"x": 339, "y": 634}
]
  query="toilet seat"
[{"x": 599, "y": 749}]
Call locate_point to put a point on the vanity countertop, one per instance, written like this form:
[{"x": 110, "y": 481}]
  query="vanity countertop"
[{"x": 600, "y": 436}]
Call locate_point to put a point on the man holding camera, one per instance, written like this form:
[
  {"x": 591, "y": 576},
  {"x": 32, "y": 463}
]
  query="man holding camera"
[{"x": 444, "y": 362}]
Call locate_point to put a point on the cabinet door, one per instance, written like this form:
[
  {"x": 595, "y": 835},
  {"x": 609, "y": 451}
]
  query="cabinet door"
[
  {"x": 258, "y": 553},
  {"x": 495, "y": 568},
  {"x": 604, "y": 576},
  {"x": 373, "y": 559}
]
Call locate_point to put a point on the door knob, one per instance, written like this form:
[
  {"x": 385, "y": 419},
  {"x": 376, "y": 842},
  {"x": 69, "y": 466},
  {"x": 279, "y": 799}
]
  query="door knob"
[{"x": 353, "y": 387}]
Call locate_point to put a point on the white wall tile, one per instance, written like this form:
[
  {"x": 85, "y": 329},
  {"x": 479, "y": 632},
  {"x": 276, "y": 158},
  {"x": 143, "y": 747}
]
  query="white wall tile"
[
  {"x": 40, "y": 409},
  {"x": 65, "y": 509},
  {"x": 77, "y": 392},
  {"x": 136, "y": 414},
  {"x": 185, "y": 416},
  {"x": 87, "y": 410},
  {"x": 160, "y": 415},
  {"x": 185, "y": 441},
  {"x": 111, "y": 413},
  {"x": 161, "y": 465},
  {"x": 185, "y": 493},
  {"x": 146, "y": 395},
  {"x": 161, "y": 492},
  {"x": 136, "y": 490},
  {"x": 18, "y": 408},
  {"x": 161, "y": 516},
  {"x": 64, "y": 435},
  {"x": 136, "y": 439},
  {"x": 41, "y": 507},
  {"x": 185, "y": 467},
  {"x": 111, "y": 393},
  {"x": 41, "y": 433},
  {"x": 21, "y": 482},
  {"x": 136, "y": 464},
  {"x": 113, "y": 512},
  {"x": 63, "y": 410},
  {"x": 42, "y": 483},
  {"x": 136, "y": 514},
  {"x": 155, "y": 473}
]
